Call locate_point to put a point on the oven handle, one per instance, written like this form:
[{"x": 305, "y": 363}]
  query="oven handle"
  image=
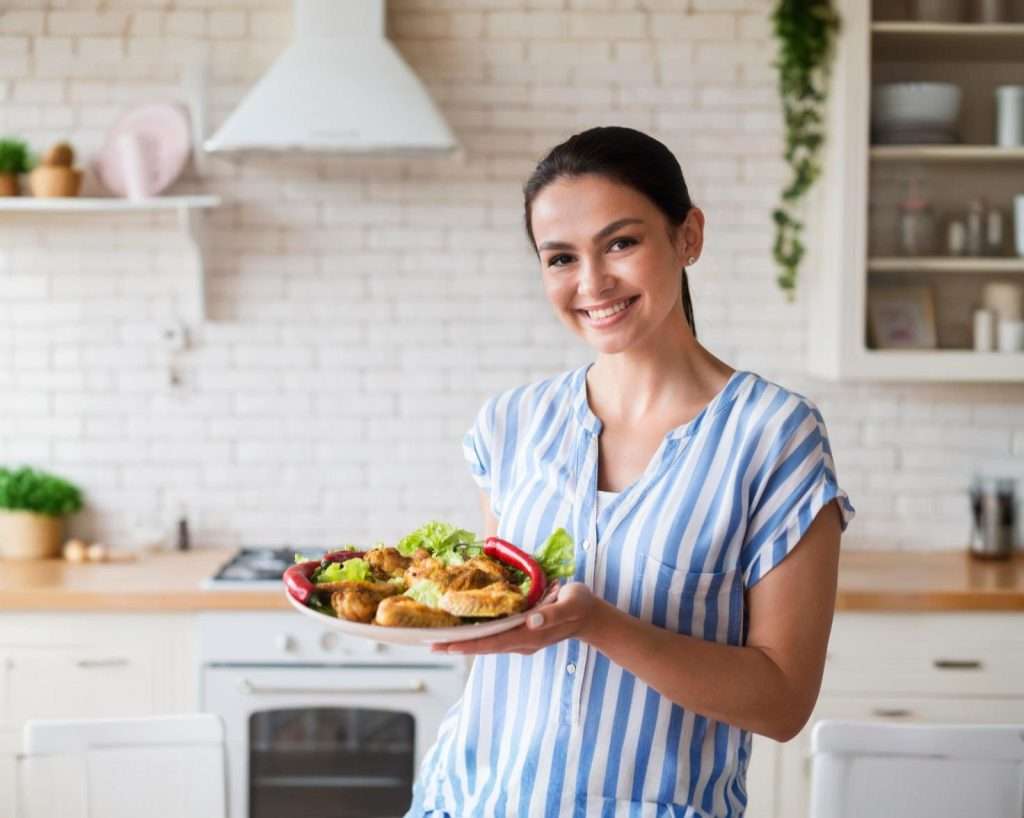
[{"x": 248, "y": 688}]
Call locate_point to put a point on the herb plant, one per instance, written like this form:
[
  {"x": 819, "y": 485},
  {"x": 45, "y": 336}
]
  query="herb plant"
[
  {"x": 26, "y": 489},
  {"x": 806, "y": 32},
  {"x": 14, "y": 157}
]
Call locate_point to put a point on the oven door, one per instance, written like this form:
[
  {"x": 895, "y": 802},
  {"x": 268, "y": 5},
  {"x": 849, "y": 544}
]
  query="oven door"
[{"x": 327, "y": 742}]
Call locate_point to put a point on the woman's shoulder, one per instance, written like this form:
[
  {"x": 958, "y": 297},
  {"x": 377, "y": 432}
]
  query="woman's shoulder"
[
  {"x": 769, "y": 408},
  {"x": 527, "y": 398}
]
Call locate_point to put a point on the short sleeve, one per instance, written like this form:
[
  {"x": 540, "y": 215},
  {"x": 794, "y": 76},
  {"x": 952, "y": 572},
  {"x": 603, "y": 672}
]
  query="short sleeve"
[
  {"x": 794, "y": 479},
  {"x": 477, "y": 445}
]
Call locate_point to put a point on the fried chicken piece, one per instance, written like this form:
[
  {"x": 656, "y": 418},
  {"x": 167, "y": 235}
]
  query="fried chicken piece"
[
  {"x": 427, "y": 568},
  {"x": 383, "y": 588},
  {"x": 497, "y": 599},
  {"x": 464, "y": 578},
  {"x": 356, "y": 604},
  {"x": 494, "y": 569},
  {"x": 387, "y": 561},
  {"x": 405, "y": 612}
]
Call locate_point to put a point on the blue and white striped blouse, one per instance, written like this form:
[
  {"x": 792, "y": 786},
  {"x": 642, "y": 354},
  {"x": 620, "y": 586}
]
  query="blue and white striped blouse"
[{"x": 566, "y": 732}]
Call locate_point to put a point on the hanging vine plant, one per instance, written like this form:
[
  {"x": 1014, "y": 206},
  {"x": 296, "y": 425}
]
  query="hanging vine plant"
[{"x": 806, "y": 32}]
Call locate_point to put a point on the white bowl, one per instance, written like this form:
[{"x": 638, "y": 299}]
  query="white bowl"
[{"x": 907, "y": 104}]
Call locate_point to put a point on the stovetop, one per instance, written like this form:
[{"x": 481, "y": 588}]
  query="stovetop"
[{"x": 257, "y": 567}]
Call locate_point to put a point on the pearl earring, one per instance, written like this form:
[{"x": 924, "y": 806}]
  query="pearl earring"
[{"x": 691, "y": 260}]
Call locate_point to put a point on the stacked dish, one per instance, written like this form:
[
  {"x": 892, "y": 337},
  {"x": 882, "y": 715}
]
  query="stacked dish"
[{"x": 920, "y": 113}]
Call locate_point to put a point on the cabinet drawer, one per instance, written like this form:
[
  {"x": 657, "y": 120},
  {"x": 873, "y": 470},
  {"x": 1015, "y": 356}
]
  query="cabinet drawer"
[
  {"x": 934, "y": 654},
  {"x": 70, "y": 683}
]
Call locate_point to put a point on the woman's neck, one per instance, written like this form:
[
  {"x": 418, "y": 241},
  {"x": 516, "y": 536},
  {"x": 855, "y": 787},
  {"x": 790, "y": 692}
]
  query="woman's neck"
[{"x": 673, "y": 375}]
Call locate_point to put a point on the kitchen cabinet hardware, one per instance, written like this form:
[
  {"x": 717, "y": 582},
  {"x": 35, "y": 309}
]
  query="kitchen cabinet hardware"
[
  {"x": 892, "y": 712},
  {"x": 247, "y": 687},
  {"x": 957, "y": 664},
  {"x": 91, "y": 664}
]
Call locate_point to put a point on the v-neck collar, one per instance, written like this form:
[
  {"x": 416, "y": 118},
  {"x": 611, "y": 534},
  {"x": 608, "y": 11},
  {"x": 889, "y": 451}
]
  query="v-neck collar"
[
  {"x": 592, "y": 422},
  {"x": 618, "y": 507}
]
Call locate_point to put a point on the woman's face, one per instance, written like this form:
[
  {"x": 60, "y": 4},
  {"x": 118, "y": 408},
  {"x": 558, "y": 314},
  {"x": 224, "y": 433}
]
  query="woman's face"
[{"x": 611, "y": 268}]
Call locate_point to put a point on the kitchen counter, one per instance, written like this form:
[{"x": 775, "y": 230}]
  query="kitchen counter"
[{"x": 868, "y": 581}]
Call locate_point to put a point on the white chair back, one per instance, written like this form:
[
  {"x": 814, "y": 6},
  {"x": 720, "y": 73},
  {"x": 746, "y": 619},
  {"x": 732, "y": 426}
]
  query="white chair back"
[
  {"x": 916, "y": 770},
  {"x": 166, "y": 767}
]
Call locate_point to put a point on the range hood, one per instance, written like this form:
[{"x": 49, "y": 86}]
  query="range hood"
[{"x": 339, "y": 86}]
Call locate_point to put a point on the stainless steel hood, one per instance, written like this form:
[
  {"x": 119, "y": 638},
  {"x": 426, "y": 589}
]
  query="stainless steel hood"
[{"x": 339, "y": 86}]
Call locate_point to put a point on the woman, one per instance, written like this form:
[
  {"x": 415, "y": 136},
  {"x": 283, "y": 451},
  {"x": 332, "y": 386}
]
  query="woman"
[{"x": 706, "y": 514}]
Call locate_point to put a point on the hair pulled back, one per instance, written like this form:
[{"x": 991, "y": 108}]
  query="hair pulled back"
[{"x": 626, "y": 156}]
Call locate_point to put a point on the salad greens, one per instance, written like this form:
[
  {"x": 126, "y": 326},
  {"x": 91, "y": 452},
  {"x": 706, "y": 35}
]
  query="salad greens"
[
  {"x": 354, "y": 570},
  {"x": 426, "y": 592},
  {"x": 445, "y": 542}
]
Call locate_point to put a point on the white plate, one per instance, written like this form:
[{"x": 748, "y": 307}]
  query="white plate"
[{"x": 418, "y": 636}]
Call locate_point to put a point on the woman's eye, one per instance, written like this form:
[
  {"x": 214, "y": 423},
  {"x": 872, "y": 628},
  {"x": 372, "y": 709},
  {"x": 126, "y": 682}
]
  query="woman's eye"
[
  {"x": 553, "y": 261},
  {"x": 625, "y": 239}
]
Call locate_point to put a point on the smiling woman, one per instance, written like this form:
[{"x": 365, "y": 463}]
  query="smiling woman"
[{"x": 706, "y": 512}]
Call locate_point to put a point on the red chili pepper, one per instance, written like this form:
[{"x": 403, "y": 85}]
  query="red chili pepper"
[
  {"x": 298, "y": 578},
  {"x": 509, "y": 554}
]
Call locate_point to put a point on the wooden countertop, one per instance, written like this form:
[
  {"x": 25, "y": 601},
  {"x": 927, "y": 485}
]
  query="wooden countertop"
[{"x": 868, "y": 581}]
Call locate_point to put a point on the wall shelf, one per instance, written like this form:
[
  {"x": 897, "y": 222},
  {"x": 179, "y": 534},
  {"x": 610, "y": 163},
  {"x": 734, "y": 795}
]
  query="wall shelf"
[
  {"x": 945, "y": 153},
  {"x": 190, "y": 221},
  {"x": 105, "y": 204},
  {"x": 981, "y": 42},
  {"x": 945, "y": 264}
]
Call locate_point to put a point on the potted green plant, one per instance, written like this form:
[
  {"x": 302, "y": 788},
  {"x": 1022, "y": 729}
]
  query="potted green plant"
[
  {"x": 14, "y": 160},
  {"x": 33, "y": 505}
]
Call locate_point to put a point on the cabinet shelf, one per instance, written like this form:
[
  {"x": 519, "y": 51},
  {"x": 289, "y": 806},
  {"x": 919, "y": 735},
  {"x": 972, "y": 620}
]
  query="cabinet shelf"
[
  {"x": 978, "y": 42},
  {"x": 190, "y": 221},
  {"x": 946, "y": 153},
  {"x": 945, "y": 264},
  {"x": 105, "y": 204},
  {"x": 938, "y": 364}
]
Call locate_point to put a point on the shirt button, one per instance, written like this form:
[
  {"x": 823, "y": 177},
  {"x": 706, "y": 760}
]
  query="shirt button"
[
  {"x": 570, "y": 668},
  {"x": 586, "y": 545}
]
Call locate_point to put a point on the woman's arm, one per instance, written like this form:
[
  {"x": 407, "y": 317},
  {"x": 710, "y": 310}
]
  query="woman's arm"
[{"x": 769, "y": 686}]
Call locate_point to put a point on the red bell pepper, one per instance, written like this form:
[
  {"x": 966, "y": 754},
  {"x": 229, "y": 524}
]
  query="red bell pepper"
[
  {"x": 504, "y": 551},
  {"x": 298, "y": 578}
]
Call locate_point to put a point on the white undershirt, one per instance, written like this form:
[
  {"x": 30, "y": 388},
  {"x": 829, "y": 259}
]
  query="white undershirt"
[{"x": 604, "y": 498}]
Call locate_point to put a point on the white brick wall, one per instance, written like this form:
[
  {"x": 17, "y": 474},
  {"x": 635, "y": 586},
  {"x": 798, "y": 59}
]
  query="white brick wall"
[{"x": 361, "y": 309}]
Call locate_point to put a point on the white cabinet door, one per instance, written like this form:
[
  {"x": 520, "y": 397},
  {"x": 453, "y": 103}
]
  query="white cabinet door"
[
  {"x": 795, "y": 758},
  {"x": 9, "y": 746},
  {"x": 94, "y": 666},
  {"x": 762, "y": 779}
]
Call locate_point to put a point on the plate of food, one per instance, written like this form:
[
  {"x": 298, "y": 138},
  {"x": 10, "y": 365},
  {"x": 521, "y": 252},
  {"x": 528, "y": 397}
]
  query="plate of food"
[{"x": 437, "y": 584}]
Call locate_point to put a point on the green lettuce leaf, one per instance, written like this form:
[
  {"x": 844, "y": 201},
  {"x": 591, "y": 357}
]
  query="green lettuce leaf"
[
  {"x": 557, "y": 557},
  {"x": 441, "y": 540},
  {"x": 425, "y": 592},
  {"x": 353, "y": 570}
]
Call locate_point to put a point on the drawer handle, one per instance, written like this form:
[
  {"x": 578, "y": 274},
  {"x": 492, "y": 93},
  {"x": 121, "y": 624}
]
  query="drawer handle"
[
  {"x": 957, "y": 664},
  {"x": 247, "y": 687},
  {"x": 892, "y": 712},
  {"x": 91, "y": 664}
]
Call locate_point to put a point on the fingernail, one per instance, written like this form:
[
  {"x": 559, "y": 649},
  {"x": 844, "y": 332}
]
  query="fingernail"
[{"x": 535, "y": 620}]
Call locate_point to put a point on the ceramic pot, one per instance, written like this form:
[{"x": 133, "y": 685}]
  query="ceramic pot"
[
  {"x": 51, "y": 181},
  {"x": 25, "y": 535},
  {"x": 8, "y": 184}
]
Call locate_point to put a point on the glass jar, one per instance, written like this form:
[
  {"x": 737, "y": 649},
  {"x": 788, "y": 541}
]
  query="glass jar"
[{"x": 916, "y": 224}]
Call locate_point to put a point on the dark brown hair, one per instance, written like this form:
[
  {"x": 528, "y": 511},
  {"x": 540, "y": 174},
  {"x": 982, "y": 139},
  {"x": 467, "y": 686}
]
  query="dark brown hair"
[{"x": 623, "y": 155}]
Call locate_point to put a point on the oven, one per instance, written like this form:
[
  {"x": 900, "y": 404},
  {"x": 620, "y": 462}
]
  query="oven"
[{"x": 319, "y": 724}]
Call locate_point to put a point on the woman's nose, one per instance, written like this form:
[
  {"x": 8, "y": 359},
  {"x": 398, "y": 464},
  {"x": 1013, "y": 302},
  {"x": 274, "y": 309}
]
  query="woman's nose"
[{"x": 593, "y": 278}]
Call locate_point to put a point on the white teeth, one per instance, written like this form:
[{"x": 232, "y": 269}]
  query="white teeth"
[{"x": 599, "y": 314}]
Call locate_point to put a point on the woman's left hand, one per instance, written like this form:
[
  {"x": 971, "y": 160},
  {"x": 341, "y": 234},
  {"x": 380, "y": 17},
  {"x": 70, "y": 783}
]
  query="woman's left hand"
[{"x": 570, "y": 614}]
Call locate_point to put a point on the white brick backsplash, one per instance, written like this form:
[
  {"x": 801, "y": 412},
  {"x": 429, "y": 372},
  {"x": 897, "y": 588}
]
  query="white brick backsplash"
[{"x": 363, "y": 308}]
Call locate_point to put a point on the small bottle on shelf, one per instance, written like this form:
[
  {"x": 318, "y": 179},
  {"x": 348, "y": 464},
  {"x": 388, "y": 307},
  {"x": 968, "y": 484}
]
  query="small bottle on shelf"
[
  {"x": 976, "y": 228},
  {"x": 917, "y": 223}
]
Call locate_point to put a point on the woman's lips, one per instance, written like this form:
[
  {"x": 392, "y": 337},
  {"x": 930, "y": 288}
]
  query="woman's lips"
[{"x": 602, "y": 323}]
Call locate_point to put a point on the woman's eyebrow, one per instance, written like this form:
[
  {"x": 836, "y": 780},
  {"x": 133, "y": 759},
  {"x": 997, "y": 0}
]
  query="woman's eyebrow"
[{"x": 600, "y": 234}]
